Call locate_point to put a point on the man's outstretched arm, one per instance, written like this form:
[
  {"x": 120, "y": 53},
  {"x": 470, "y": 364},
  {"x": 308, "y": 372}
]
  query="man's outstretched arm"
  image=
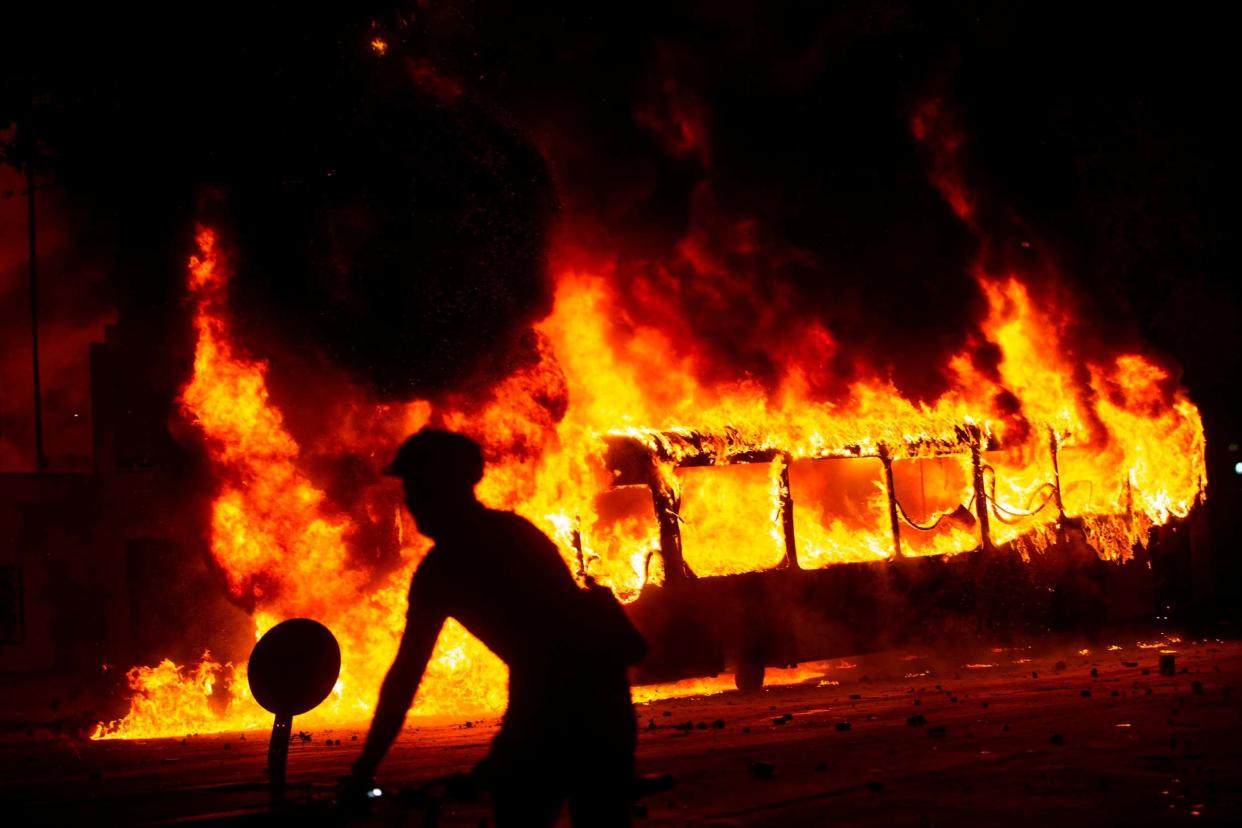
[{"x": 422, "y": 628}]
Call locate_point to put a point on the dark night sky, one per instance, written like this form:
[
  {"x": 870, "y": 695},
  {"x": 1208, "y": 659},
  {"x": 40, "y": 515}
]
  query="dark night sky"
[{"x": 1098, "y": 136}]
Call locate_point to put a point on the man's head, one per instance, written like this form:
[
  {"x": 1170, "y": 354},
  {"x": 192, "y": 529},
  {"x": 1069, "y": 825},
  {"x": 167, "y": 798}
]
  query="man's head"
[{"x": 439, "y": 470}]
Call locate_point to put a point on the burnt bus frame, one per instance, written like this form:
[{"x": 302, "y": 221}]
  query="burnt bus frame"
[
  {"x": 639, "y": 458},
  {"x": 681, "y": 617},
  {"x": 685, "y": 620}
]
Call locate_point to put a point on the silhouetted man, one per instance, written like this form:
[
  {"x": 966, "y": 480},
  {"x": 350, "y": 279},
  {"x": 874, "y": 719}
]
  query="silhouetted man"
[{"x": 569, "y": 730}]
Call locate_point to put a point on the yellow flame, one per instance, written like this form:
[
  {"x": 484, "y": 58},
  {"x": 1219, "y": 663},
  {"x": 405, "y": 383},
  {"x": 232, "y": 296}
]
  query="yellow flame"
[{"x": 1129, "y": 447}]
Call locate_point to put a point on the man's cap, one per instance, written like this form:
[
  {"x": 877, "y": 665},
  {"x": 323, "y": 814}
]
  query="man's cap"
[{"x": 452, "y": 458}]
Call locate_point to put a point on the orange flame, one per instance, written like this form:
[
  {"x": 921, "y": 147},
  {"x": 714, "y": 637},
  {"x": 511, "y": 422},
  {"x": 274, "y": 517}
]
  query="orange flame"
[
  {"x": 276, "y": 539},
  {"x": 1129, "y": 449}
]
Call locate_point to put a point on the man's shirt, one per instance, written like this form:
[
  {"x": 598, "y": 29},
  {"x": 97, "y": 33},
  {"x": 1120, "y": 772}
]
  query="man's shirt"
[{"x": 505, "y": 581}]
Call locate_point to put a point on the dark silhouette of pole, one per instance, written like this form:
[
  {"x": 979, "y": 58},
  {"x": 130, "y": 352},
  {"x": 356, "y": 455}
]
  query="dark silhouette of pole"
[
  {"x": 787, "y": 512},
  {"x": 981, "y": 490},
  {"x": 891, "y": 490},
  {"x": 29, "y": 146}
]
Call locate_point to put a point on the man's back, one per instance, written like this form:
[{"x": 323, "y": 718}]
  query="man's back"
[{"x": 504, "y": 580}]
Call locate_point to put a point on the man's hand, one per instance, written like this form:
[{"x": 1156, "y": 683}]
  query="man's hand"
[
  {"x": 355, "y": 793},
  {"x": 422, "y": 628}
]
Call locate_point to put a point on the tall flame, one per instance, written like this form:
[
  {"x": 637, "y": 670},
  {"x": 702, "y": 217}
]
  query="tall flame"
[
  {"x": 1129, "y": 449},
  {"x": 277, "y": 540}
]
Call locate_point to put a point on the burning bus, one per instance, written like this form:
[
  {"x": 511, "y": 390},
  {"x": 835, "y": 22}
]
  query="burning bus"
[
  {"x": 790, "y": 608},
  {"x": 781, "y": 528}
]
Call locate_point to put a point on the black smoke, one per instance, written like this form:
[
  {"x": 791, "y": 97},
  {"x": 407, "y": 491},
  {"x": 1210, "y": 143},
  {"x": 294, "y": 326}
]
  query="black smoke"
[
  {"x": 394, "y": 213},
  {"x": 402, "y": 234}
]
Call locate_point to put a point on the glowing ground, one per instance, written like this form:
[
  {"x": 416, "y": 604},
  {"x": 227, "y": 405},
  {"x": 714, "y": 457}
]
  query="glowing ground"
[{"x": 1009, "y": 739}]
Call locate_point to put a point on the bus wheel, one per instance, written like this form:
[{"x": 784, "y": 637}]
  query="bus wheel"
[{"x": 749, "y": 676}]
